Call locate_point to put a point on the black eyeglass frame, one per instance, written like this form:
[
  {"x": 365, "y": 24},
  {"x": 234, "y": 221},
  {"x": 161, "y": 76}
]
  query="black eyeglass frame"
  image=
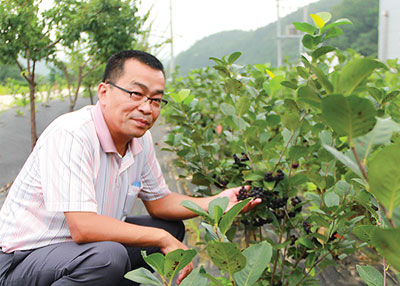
[{"x": 163, "y": 101}]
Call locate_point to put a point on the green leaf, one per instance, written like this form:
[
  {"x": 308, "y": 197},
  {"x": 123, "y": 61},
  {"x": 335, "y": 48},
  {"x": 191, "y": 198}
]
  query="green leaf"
[
  {"x": 346, "y": 160},
  {"x": 333, "y": 32},
  {"x": 387, "y": 242},
  {"x": 233, "y": 85},
  {"x": 258, "y": 257},
  {"x": 176, "y": 260},
  {"x": 217, "y": 207},
  {"x": 349, "y": 116},
  {"x": 384, "y": 177},
  {"x": 321, "y": 51},
  {"x": 306, "y": 242},
  {"x": 226, "y": 256},
  {"x": 381, "y": 134},
  {"x": 233, "y": 57},
  {"x": 227, "y": 109},
  {"x": 199, "y": 179},
  {"x": 228, "y": 218},
  {"x": 195, "y": 208},
  {"x": 308, "y": 41},
  {"x": 291, "y": 116},
  {"x": 370, "y": 275},
  {"x": 307, "y": 95},
  {"x": 339, "y": 22},
  {"x": 181, "y": 95},
  {"x": 325, "y": 16},
  {"x": 243, "y": 105},
  {"x": 195, "y": 278},
  {"x": 364, "y": 232},
  {"x": 305, "y": 27},
  {"x": 289, "y": 84},
  {"x": 331, "y": 199},
  {"x": 155, "y": 260},
  {"x": 143, "y": 275},
  {"x": 356, "y": 72},
  {"x": 275, "y": 83}
]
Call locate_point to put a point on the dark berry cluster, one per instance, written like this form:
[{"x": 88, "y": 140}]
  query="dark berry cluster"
[
  {"x": 220, "y": 182},
  {"x": 307, "y": 227},
  {"x": 239, "y": 161},
  {"x": 270, "y": 177}
]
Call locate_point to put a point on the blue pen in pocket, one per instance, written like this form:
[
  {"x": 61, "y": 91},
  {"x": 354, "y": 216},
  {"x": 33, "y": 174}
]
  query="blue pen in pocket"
[{"x": 136, "y": 184}]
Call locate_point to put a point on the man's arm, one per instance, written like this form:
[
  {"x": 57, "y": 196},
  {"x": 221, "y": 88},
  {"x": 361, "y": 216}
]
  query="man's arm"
[{"x": 170, "y": 208}]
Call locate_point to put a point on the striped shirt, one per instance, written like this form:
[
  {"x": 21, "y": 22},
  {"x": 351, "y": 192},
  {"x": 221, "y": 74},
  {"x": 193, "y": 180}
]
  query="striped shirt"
[{"x": 76, "y": 167}]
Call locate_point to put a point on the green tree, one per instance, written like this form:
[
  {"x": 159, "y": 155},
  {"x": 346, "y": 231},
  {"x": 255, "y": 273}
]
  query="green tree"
[
  {"x": 97, "y": 30},
  {"x": 9, "y": 71},
  {"x": 25, "y": 39}
]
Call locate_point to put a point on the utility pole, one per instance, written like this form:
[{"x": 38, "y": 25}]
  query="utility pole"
[{"x": 171, "y": 62}]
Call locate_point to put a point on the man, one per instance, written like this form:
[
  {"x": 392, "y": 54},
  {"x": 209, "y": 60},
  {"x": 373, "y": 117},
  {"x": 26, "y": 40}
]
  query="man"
[{"x": 64, "y": 220}]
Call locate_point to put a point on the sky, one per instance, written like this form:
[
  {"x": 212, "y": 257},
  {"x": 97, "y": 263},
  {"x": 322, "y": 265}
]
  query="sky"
[{"x": 192, "y": 20}]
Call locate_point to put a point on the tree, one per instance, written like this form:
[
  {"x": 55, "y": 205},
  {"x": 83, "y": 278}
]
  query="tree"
[
  {"x": 25, "y": 40},
  {"x": 97, "y": 30},
  {"x": 362, "y": 36}
]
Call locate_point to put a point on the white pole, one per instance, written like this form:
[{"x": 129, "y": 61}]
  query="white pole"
[{"x": 278, "y": 38}]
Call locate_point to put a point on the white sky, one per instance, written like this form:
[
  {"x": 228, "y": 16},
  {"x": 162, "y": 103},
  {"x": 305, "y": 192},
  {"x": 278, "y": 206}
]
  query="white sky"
[{"x": 193, "y": 20}]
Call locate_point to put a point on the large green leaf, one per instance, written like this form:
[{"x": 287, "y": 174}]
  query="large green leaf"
[
  {"x": 307, "y": 95},
  {"x": 243, "y": 105},
  {"x": 176, "y": 260},
  {"x": 258, "y": 256},
  {"x": 381, "y": 134},
  {"x": 356, "y": 72},
  {"x": 346, "y": 160},
  {"x": 155, "y": 260},
  {"x": 195, "y": 278},
  {"x": 387, "y": 241},
  {"x": 291, "y": 116},
  {"x": 384, "y": 177},
  {"x": 143, "y": 275},
  {"x": 217, "y": 207},
  {"x": 305, "y": 27},
  {"x": 349, "y": 116},
  {"x": 233, "y": 57},
  {"x": 370, "y": 275},
  {"x": 364, "y": 232},
  {"x": 228, "y": 218},
  {"x": 226, "y": 256},
  {"x": 195, "y": 208}
]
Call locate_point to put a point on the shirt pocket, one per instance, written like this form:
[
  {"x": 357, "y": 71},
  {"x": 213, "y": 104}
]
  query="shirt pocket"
[{"x": 130, "y": 200}]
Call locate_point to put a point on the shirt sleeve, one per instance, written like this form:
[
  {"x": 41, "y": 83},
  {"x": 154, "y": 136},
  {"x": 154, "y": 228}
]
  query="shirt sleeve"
[
  {"x": 152, "y": 179},
  {"x": 66, "y": 170}
]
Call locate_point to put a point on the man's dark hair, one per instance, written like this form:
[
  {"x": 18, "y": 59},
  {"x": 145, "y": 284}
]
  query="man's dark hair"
[{"x": 115, "y": 65}]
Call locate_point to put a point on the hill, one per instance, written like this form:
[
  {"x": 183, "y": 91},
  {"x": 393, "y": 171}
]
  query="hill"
[{"x": 259, "y": 46}]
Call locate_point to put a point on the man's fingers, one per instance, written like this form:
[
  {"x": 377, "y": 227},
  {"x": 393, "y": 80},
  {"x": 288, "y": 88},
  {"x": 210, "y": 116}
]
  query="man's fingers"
[
  {"x": 251, "y": 204},
  {"x": 185, "y": 272}
]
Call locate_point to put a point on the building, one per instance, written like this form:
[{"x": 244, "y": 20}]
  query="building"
[{"x": 389, "y": 30}]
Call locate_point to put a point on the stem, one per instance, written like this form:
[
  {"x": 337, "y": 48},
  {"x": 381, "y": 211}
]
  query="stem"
[
  {"x": 277, "y": 251},
  {"x": 287, "y": 145},
  {"x": 245, "y": 144},
  {"x": 360, "y": 164},
  {"x": 312, "y": 267}
]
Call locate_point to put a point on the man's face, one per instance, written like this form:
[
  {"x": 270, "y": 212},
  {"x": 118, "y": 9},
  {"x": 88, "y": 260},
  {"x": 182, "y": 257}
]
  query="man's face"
[{"x": 125, "y": 117}]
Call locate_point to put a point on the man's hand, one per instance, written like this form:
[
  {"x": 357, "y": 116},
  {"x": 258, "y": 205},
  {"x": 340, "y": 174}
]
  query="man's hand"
[
  {"x": 232, "y": 193},
  {"x": 171, "y": 244}
]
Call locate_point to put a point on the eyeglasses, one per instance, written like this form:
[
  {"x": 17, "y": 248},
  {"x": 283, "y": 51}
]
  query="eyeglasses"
[{"x": 156, "y": 103}]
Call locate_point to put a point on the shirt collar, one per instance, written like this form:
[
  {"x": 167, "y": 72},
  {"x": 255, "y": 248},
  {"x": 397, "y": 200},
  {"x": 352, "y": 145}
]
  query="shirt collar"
[{"x": 106, "y": 141}]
